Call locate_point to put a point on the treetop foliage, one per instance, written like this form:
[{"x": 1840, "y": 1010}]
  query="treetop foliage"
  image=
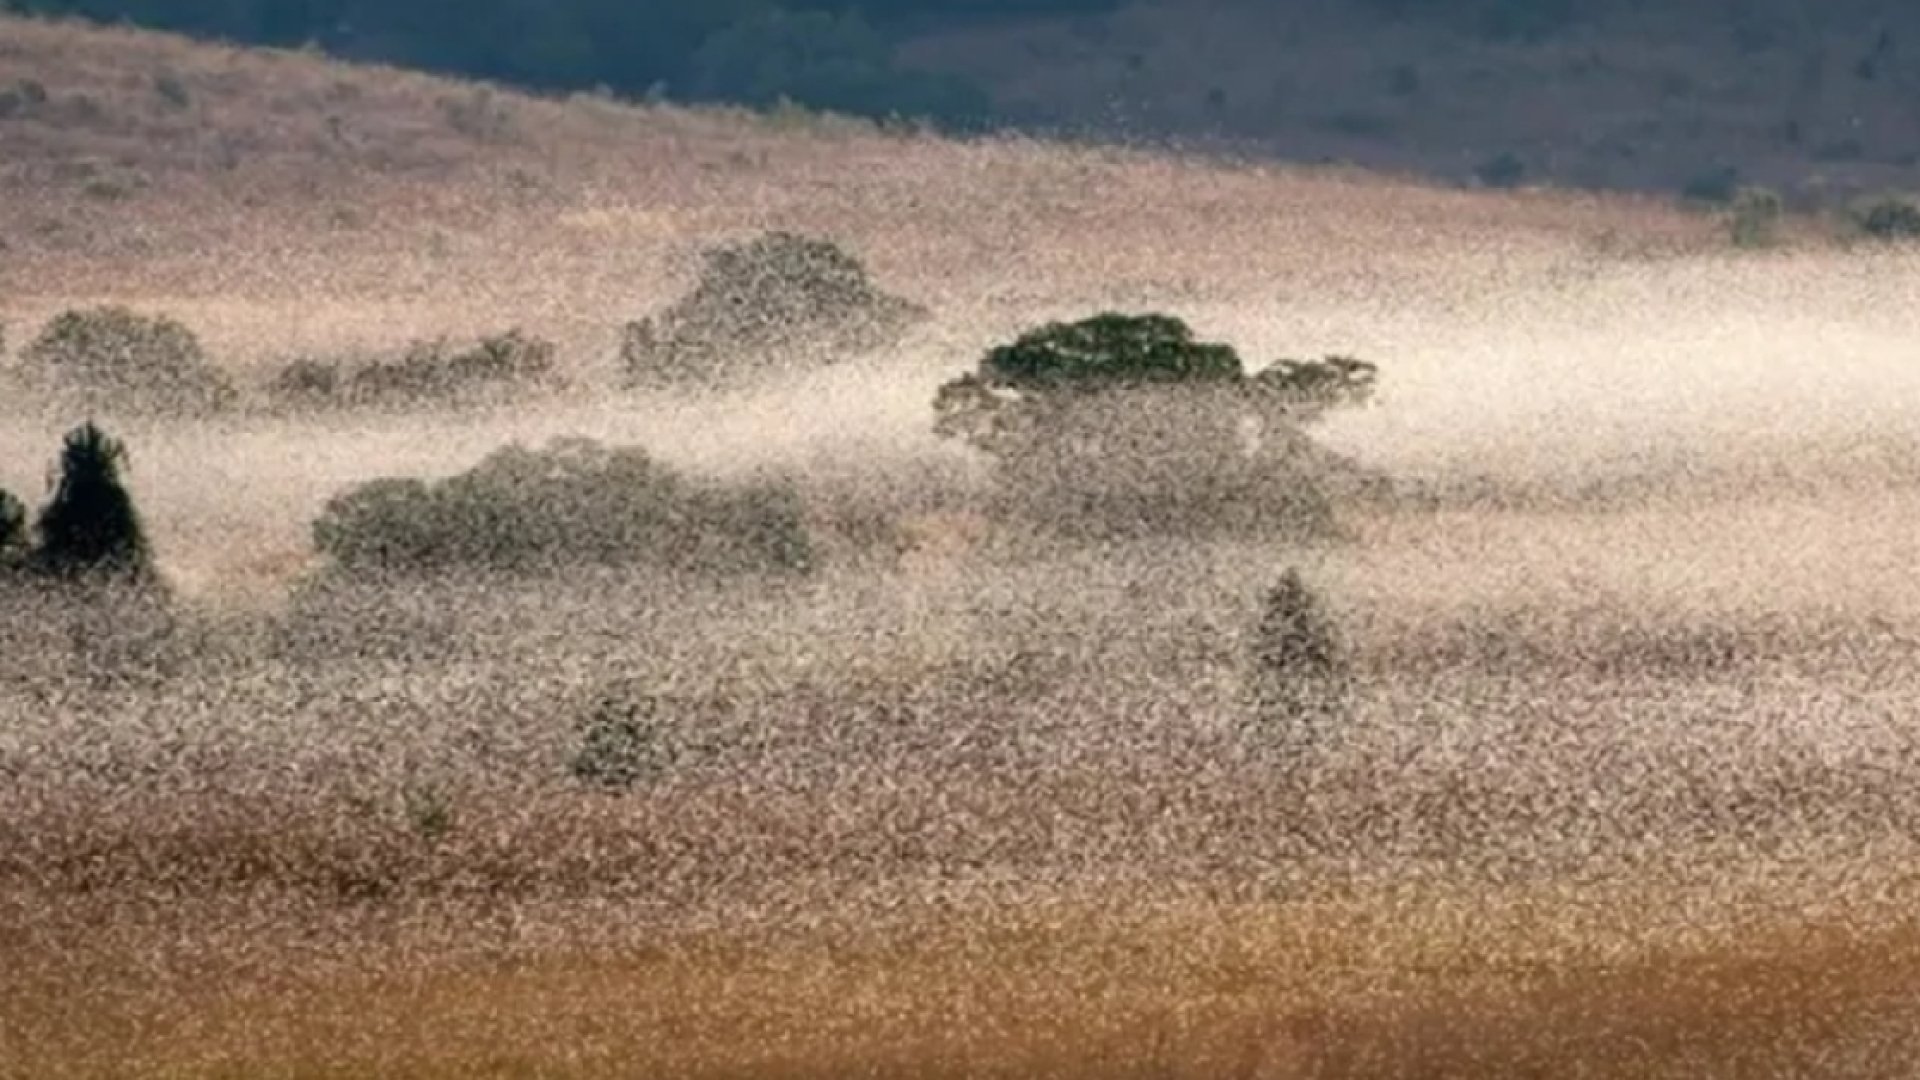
[
  {"x": 998, "y": 406},
  {"x": 1109, "y": 348},
  {"x": 1129, "y": 424}
]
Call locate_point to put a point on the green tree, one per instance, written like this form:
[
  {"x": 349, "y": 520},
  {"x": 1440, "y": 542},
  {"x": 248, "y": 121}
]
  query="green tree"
[
  {"x": 90, "y": 529},
  {"x": 1126, "y": 424}
]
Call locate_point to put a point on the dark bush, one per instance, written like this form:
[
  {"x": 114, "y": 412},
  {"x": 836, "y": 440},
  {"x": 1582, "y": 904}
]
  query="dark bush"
[
  {"x": 1126, "y": 425},
  {"x": 1889, "y": 217},
  {"x": 575, "y": 502},
  {"x": 114, "y": 358},
  {"x": 494, "y": 370},
  {"x": 625, "y": 741},
  {"x": 777, "y": 304}
]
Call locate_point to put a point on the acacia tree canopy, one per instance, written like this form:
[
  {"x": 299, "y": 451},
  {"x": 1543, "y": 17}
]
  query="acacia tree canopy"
[{"x": 1132, "y": 422}]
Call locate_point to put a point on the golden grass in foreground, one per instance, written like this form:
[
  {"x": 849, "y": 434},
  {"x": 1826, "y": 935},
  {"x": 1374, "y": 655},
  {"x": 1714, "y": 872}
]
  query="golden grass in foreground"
[{"x": 1352, "y": 987}]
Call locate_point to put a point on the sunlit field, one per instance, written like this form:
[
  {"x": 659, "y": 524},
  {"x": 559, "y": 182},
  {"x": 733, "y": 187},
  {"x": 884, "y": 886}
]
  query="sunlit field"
[{"x": 1629, "y": 785}]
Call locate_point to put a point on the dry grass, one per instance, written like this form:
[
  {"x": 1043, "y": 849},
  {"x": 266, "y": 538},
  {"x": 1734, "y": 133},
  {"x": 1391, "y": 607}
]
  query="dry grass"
[{"x": 1409, "y": 984}]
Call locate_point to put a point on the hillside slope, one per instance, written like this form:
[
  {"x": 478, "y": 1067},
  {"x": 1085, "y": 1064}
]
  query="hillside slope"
[{"x": 280, "y": 200}]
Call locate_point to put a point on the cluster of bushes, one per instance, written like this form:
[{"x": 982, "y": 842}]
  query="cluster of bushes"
[
  {"x": 1755, "y": 215},
  {"x": 776, "y": 303},
  {"x": 116, "y": 360},
  {"x": 493, "y": 369},
  {"x": 1888, "y": 217},
  {"x": 573, "y": 503}
]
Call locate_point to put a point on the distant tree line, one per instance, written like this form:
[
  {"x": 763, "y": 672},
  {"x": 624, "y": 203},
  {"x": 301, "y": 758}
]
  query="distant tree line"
[{"x": 826, "y": 55}]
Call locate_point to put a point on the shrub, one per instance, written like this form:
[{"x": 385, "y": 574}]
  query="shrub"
[
  {"x": 1126, "y": 425},
  {"x": 495, "y": 369},
  {"x": 429, "y": 811},
  {"x": 623, "y": 742},
  {"x": 575, "y": 502},
  {"x": 775, "y": 304},
  {"x": 118, "y": 359},
  {"x": 1755, "y": 221},
  {"x": 1299, "y": 678},
  {"x": 172, "y": 90},
  {"x": 1888, "y": 217}
]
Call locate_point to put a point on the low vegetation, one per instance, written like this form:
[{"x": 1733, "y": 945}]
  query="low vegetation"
[
  {"x": 1754, "y": 217},
  {"x": 497, "y": 369},
  {"x": 777, "y": 304},
  {"x": 1888, "y": 217},
  {"x": 626, "y": 741},
  {"x": 120, "y": 360},
  {"x": 572, "y": 503}
]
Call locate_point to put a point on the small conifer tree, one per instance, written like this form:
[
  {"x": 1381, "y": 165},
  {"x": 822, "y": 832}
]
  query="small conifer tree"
[
  {"x": 1299, "y": 675},
  {"x": 90, "y": 528}
]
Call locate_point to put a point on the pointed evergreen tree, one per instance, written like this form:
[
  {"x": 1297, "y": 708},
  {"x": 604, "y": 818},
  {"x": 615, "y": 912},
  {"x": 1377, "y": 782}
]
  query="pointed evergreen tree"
[
  {"x": 90, "y": 528},
  {"x": 1299, "y": 676}
]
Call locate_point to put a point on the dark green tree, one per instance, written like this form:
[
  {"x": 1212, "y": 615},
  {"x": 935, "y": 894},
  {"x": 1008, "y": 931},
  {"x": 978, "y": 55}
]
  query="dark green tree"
[
  {"x": 90, "y": 529},
  {"x": 1126, "y": 424}
]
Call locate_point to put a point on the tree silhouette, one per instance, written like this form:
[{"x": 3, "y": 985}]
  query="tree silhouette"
[
  {"x": 90, "y": 528},
  {"x": 1126, "y": 424},
  {"x": 1299, "y": 676}
]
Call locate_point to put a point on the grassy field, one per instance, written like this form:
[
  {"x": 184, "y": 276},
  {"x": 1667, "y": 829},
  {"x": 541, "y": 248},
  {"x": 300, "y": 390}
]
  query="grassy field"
[{"x": 1627, "y": 789}]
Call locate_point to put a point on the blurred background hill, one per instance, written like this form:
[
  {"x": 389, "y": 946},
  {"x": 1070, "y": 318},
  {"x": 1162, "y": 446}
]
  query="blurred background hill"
[{"x": 1809, "y": 96}]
